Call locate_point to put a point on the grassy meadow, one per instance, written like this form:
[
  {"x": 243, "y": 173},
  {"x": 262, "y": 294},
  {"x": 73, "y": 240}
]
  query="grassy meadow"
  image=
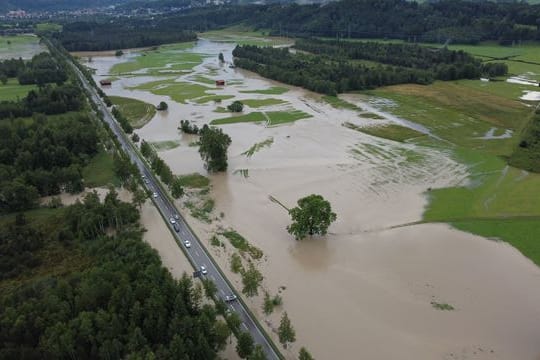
[
  {"x": 499, "y": 201},
  {"x": 137, "y": 112}
]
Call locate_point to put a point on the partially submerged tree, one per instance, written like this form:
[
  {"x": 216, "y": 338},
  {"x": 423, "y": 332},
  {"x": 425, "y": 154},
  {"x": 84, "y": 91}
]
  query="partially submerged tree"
[
  {"x": 236, "y": 106},
  {"x": 245, "y": 345},
  {"x": 286, "y": 332},
  {"x": 162, "y": 106},
  {"x": 313, "y": 215},
  {"x": 213, "y": 146},
  {"x": 304, "y": 354},
  {"x": 221, "y": 58}
]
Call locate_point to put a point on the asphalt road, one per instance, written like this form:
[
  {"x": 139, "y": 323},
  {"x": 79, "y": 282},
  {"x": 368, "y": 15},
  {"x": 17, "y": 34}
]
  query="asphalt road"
[{"x": 195, "y": 252}]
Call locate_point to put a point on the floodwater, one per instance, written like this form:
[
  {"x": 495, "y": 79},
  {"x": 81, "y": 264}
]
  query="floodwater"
[{"x": 366, "y": 289}]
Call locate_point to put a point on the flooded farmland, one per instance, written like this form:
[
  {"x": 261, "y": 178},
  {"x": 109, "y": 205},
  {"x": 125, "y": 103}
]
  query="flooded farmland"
[{"x": 371, "y": 288}]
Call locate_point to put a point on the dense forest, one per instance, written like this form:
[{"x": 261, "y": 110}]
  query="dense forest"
[
  {"x": 43, "y": 157},
  {"x": 332, "y": 74},
  {"x": 443, "y": 63},
  {"x": 116, "y": 301},
  {"x": 42, "y": 69},
  {"x": 93, "y": 36},
  {"x": 459, "y": 21}
]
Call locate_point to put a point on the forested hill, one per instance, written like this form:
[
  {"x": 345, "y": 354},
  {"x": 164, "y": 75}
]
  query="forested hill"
[
  {"x": 457, "y": 20},
  {"x": 48, "y": 5}
]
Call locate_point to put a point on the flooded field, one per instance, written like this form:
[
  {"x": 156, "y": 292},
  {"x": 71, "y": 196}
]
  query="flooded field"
[
  {"x": 371, "y": 288},
  {"x": 20, "y": 46}
]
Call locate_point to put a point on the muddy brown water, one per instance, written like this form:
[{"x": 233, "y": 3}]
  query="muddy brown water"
[{"x": 364, "y": 290}]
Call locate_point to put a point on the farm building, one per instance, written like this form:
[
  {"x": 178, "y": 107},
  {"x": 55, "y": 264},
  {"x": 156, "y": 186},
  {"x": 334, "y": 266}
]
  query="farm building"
[
  {"x": 220, "y": 82},
  {"x": 105, "y": 82}
]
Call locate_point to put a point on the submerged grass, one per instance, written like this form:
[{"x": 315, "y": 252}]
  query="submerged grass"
[
  {"x": 258, "y": 146},
  {"x": 194, "y": 180},
  {"x": 240, "y": 243},
  {"x": 387, "y": 131},
  {"x": 178, "y": 91},
  {"x": 165, "y": 145},
  {"x": 340, "y": 103}
]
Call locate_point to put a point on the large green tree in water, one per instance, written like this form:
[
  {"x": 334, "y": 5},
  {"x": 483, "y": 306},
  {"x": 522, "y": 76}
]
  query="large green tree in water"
[
  {"x": 213, "y": 146},
  {"x": 313, "y": 215}
]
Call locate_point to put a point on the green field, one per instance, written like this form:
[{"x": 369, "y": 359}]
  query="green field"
[
  {"x": 388, "y": 131},
  {"x": 270, "y": 117},
  {"x": 499, "y": 201},
  {"x": 214, "y": 98},
  {"x": 12, "y": 90},
  {"x": 16, "y": 46},
  {"x": 257, "y": 103},
  {"x": 100, "y": 171},
  {"x": 178, "y": 91},
  {"x": 165, "y": 60},
  {"x": 461, "y": 115},
  {"x": 242, "y": 35},
  {"x": 137, "y": 112},
  {"x": 274, "y": 90},
  {"x": 340, "y": 103}
]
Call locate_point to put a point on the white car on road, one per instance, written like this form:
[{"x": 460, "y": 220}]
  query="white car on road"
[
  {"x": 154, "y": 195},
  {"x": 188, "y": 245},
  {"x": 230, "y": 298},
  {"x": 171, "y": 219},
  {"x": 203, "y": 270}
]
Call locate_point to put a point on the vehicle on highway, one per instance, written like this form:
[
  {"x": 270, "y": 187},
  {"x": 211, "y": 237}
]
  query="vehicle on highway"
[
  {"x": 171, "y": 219},
  {"x": 177, "y": 228},
  {"x": 231, "y": 297},
  {"x": 154, "y": 195},
  {"x": 176, "y": 217},
  {"x": 146, "y": 181},
  {"x": 188, "y": 245},
  {"x": 203, "y": 270}
]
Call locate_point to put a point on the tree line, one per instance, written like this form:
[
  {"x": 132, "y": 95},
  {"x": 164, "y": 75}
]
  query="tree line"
[
  {"x": 48, "y": 100},
  {"x": 324, "y": 75},
  {"x": 41, "y": 69},
  {"x": 444, "y": 64},
  {"x": 460, "y": 21},
  {"x": 116, "y": 301},
  {"x": 128, "y": 33}
]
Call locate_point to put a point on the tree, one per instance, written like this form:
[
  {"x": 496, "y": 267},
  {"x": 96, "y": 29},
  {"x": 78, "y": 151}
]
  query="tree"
[
  {"x": 234, "y": 322},
  {"x": 210, "y": 288},
  {"x": 119, "y": 53},
  {"x": 258, "y": 353},
  {"x": 162, "y": 106},
  {"x": 213, "y": 146},
  {"x": 236, "y": 263},
  {"x": 3, "y": 79},
  {"x": 177, "y": 190},
  {"x": 236, "y": 106},
  {"x": 313, "y": 215},
  {"x": 304, "y": 355},
  {"x": 245, "y": 345},
  {"x": 221, "y": 58},
  {"x": 251, "y": 279},
  {"x": 139, "y": 197},
  {"x": 286, "y": 332},
  {"x": 135, "y": 137}
]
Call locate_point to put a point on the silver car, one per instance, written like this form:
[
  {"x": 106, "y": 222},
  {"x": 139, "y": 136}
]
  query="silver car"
[{"x": 203, "y": 270}]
